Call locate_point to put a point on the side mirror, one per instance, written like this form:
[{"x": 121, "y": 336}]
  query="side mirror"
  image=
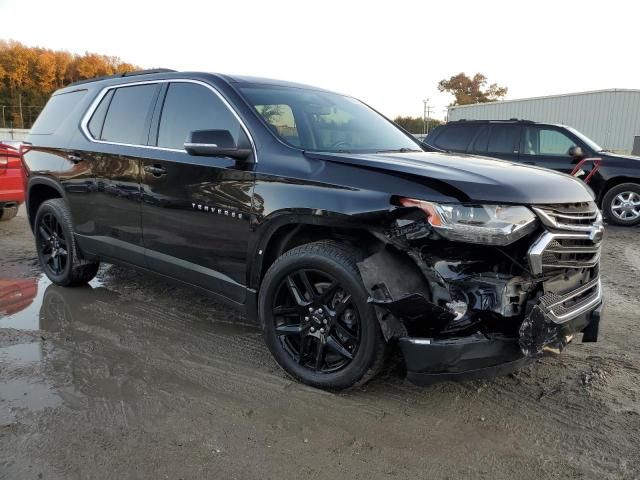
[
  {"x": 215, "y": 143},
  {"x": 576, "y": 152}
]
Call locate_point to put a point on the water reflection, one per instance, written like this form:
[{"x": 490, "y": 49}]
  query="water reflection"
[{"x": 94, "y": 346}]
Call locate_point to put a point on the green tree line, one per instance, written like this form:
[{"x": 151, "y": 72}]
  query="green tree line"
[{"x": 29, "y": 75}]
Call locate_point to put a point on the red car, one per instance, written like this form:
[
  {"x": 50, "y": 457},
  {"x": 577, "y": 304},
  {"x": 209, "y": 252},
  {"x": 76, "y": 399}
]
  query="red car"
[
  {"x": 12, "y": 180},
  {"x": 16, "y": 295}
]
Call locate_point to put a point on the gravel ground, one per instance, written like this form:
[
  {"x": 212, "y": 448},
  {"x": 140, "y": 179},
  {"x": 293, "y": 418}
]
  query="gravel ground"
[{"x": 133, "y": 378}]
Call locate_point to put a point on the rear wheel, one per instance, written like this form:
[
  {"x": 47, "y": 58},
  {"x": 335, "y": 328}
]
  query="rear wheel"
[
  {"x": 621, "y": 204},
  {"x": 316, "y": 319},
  {"x": 57, "y": 251}
]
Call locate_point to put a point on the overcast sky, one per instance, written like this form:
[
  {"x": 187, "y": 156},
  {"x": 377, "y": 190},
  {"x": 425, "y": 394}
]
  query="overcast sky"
[{"x": 390, "y": 54}]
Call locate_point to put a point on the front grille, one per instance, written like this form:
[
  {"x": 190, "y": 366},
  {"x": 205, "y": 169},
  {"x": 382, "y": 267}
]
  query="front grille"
[
  {"x": 571, "y": 216},
  {"x": 564, "y": 307},
  {"x": 572, "y": 240}
]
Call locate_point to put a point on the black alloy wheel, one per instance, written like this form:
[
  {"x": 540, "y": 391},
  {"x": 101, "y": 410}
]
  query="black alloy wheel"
[
  {"x": 316, "y": 321},
  {"x": 58, "y": 254},
  {"x": 52, "y": 244},
  {"x": 316, "y": 318}
]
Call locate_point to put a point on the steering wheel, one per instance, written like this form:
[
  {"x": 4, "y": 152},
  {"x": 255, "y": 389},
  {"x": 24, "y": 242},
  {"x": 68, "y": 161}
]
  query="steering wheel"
[{"x": 339, "y": 143}]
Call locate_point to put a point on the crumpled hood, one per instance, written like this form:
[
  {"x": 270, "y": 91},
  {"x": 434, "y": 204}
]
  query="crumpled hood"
[{"x": 478, "y": 178}]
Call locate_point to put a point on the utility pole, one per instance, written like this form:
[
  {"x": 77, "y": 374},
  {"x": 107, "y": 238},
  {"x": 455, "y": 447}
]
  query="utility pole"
[
  {"x": 20, "y": 108},
  {"x": 426, "y": 114}
]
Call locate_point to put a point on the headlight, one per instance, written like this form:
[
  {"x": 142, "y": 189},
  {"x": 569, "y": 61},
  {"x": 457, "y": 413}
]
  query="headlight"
[{"x": 486, "y": 224}]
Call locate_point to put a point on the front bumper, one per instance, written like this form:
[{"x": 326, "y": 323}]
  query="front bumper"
[{"x": 431, "y": 360}]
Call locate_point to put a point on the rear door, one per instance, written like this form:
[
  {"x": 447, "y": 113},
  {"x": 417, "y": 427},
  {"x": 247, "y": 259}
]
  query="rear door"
[
  {"x": 196, "y": 209},
  {"x": 118, "y": 128},
  {"x": 498, "y": 141},
  {"x": 547, "y": 147}
]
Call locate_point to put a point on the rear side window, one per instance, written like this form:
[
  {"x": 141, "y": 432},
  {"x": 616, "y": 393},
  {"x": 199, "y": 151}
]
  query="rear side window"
[
  {"x": 504, "y": 139},
  {"x": 128, "y": 115},
  {"x": 456, "y": 137},
  {"x": 56, "y": 111},
  {"x": 188, "y": 107}
]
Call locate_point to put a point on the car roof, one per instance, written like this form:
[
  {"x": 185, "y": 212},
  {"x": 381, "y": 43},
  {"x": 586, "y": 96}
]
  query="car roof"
[
  {"x": 165, "y": 73},
  {"x": 508, "y": 121}
]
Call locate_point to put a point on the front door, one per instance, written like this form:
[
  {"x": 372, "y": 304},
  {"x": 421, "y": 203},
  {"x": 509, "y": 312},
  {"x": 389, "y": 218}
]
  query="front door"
[
  {"x": 195, "y": 209},
  {"x": 547, "y": 147}
]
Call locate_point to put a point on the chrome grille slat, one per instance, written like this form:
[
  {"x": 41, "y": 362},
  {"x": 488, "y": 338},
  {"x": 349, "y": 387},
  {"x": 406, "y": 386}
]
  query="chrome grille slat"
[{"x": 572, "y": 240}]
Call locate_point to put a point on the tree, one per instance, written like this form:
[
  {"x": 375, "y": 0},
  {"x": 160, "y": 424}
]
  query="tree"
[
  {"x": 471, "y": 90},
  {"x": 29, "y": 75},
  {"x": 416, "y": 124}
]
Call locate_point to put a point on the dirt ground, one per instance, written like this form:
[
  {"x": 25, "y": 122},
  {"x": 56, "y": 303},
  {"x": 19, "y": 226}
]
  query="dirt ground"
[{"x": 134, "y": 378}]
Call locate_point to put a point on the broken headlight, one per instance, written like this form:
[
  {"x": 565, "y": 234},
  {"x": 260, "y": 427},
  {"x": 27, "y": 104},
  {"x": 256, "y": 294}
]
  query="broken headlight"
[{"x": 486, "y": 224}]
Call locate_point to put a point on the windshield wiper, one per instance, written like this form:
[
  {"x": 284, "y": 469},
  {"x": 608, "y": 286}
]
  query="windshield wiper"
[{"x": 399, "y": 150}]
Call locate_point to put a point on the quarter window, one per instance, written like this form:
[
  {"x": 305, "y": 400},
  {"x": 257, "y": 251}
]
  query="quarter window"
[
  {"x": 58, "y": 108},
  {"x": 456, "y": 137},
  {"x": 281, "y": 120},
  {"x": 128, "y": 113},
  {"x": 188, "y": 107}
]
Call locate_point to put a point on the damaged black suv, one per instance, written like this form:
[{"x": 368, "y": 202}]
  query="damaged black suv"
[{"x": 320, "y": 219}]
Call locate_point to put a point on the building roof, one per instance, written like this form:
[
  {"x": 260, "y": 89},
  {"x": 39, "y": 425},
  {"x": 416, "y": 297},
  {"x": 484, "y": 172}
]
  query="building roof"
[{"x": 589, "y": 92}]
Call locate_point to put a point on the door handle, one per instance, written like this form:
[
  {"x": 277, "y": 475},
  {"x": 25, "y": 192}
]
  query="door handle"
[{"x": 155, "y": 170}]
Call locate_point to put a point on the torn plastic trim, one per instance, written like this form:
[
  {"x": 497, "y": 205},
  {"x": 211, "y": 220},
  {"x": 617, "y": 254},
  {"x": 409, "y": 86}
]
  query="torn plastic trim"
[{"x": 429, "y": 360}]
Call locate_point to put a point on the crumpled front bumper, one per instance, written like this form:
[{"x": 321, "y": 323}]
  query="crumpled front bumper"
[{"x": 479, "y": 356}]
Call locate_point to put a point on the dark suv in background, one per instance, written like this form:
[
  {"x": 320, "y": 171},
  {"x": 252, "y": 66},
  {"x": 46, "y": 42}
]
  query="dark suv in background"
[
  {"x": 616, "y": 179},
  {"x": 318, "y": 217}
]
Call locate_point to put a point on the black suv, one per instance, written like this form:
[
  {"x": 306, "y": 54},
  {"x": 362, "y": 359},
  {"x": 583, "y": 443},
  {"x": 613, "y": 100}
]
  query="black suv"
[
  {"x": 614, "y": 178},
  {"x": 320, "y": 219}
]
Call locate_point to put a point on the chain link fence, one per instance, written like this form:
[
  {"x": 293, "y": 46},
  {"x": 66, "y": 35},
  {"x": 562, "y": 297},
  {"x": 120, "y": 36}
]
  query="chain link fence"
[{"x": 19, "y": 116}]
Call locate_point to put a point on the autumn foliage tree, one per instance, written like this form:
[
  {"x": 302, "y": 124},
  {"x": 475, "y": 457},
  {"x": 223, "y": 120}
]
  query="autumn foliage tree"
[
  {"x": 29, "y": 75},
  {"x": 471, "y": 90},
  {"x": 416, "y": 124}
]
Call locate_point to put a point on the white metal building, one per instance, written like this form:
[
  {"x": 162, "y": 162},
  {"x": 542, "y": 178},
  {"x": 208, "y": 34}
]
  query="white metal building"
[{"x": 610, "y": 117}]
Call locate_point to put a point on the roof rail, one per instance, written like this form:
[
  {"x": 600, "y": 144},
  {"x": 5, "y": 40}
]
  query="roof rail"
[
  {"x": 480, "y": 120},
  {"x": 125, "y": 74}
]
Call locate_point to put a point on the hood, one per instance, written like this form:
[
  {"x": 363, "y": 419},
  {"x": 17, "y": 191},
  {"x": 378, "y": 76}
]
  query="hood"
[
  {"x": 478, "y": 178},
  {"x": 618, "y": 156}
]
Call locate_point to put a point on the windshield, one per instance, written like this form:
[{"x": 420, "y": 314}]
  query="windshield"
[
  {"x": 327, "y": 122},
  {"x": 590, "y": 143}
]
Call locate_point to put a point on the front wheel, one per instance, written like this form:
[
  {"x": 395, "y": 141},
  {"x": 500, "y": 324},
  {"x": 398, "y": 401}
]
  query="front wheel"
[
  {"x": 57, "y": 251},
  {"x": 621, "y": 204},
  {"x": 316, "y": 320}
]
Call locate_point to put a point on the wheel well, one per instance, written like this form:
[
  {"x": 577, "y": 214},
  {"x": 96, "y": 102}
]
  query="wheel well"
[
  {"x": 613, "y": 182},
  {"x": 37, "y": 195},
  {"x": 291, "y": 236}
]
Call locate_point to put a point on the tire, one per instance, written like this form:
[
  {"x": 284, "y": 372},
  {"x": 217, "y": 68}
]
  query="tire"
[
  {"x": 616, "y": 208},
  {"x": 7, "y": 213},
  {"x": 57, "y": 251},
  {"x": 349, "y": 323}
]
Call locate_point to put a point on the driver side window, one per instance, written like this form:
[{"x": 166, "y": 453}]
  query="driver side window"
[{"x": 546, "y": 141}]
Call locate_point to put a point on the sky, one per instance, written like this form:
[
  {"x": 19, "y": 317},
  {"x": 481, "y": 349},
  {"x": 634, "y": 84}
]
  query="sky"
[{"x": 390, "y": 54}]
